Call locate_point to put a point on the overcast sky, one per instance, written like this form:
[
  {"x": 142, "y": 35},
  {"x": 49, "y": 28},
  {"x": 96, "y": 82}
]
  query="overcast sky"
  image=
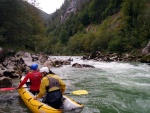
[{"x": 49, "y": 6}]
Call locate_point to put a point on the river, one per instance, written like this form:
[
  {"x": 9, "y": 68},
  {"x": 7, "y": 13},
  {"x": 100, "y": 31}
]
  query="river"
[{"x": 114, "y": 87}]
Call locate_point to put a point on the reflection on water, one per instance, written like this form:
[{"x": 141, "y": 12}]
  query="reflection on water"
[{"x": 113, "y": 88}]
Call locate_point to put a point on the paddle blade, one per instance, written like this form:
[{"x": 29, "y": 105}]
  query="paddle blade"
[
  {"x": 80, "y": 92},
  {"x": 7, "y": 89}
]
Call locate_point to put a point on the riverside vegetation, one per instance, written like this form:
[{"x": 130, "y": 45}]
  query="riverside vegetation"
[{"x": 77, "y": 28}]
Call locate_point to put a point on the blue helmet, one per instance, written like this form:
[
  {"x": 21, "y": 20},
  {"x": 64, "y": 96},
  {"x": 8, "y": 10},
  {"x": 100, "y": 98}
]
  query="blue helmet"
[{"x": 34, "y": 66}]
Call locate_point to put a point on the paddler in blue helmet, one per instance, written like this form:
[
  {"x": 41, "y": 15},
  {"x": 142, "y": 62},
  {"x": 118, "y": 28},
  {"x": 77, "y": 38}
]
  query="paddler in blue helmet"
[{"x": 35, "y": 79}]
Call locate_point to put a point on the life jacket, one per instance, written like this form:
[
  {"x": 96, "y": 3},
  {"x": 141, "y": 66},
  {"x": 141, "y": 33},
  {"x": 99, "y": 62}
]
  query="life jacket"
[
  {"x": 53, "y": 84},
  {"x": 35, "y": 80}
]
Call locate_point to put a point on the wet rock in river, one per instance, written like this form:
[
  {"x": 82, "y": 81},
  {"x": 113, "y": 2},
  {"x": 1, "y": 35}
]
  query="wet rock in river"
[{"x": 5, "y": 82}]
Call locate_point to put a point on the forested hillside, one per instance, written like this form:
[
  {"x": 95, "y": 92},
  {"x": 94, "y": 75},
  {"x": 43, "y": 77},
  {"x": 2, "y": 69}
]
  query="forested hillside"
[
  {"x": 78, "y": 27},
  {"x": 100, "y": 25},
  {"x": 21, "y": 26}
]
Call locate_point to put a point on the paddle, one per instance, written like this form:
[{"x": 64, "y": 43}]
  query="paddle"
[
  {"x": 79, "y": 92},
  {"x": 7, "y": 89}
]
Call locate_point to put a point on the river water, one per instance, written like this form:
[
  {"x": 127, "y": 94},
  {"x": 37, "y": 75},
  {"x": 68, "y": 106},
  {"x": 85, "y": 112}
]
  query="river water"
[{"x": 113, "y": 87}]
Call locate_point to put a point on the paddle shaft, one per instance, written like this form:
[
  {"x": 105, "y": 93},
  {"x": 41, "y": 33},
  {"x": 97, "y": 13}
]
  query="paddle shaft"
[
  {"x": 78, "y": 92},
  {"x": 10, "y": 88}
]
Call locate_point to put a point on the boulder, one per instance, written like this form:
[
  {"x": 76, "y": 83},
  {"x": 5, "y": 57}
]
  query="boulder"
[
  {"x": 43, "y": 58},
  {"x": 5, "y": 82},
  {"x": 146, "y": 50},
  {"x": 10, "y": 74},
  {"x": 95, "y": 55},
  {"x": 145, "y": 59},
  {"x": 77, "y": 65},
  {"x": 2, "y": 55},
  {"x": 49, "y": 64}
]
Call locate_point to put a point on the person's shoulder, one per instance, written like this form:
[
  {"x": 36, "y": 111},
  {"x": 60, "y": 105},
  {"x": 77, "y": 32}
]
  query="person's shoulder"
[
  {"x": 56, "y": 76},
  {"x": 29, "y": 73},
  {"x": 52, "y": 75},
  {"x": 39, "y": 72},
  {"x": 45, "y": 78}
]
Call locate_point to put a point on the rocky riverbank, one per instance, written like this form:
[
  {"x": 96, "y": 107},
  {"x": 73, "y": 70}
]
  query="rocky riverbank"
[{"x": 15, "y": 64}]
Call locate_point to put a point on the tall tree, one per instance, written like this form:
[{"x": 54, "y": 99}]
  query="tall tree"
[{"x": 20, "y": 24}]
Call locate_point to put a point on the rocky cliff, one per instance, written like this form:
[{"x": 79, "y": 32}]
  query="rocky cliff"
[{"x": 72, "y": 7}]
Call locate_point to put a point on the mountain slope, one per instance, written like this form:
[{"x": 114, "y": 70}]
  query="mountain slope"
[
  {"x": 78, "y": 27},
  {"x": 116, "y": 26},
  {"x": 20, "y": 25}
]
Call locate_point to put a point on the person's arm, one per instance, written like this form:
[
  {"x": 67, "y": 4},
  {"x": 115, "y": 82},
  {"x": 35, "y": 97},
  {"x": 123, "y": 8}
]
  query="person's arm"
[
  {"x": 62, "y": 85},
  {"x": 44, "y": 83},
  {"x": 24, "y": 81}
]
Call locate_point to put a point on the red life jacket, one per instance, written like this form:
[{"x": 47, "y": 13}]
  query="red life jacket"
[{"x": 35, "y": 79}]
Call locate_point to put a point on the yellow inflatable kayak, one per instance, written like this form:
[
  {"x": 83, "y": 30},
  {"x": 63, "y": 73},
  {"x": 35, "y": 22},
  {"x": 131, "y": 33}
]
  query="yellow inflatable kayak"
[{"x": 37, "y": 106}]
